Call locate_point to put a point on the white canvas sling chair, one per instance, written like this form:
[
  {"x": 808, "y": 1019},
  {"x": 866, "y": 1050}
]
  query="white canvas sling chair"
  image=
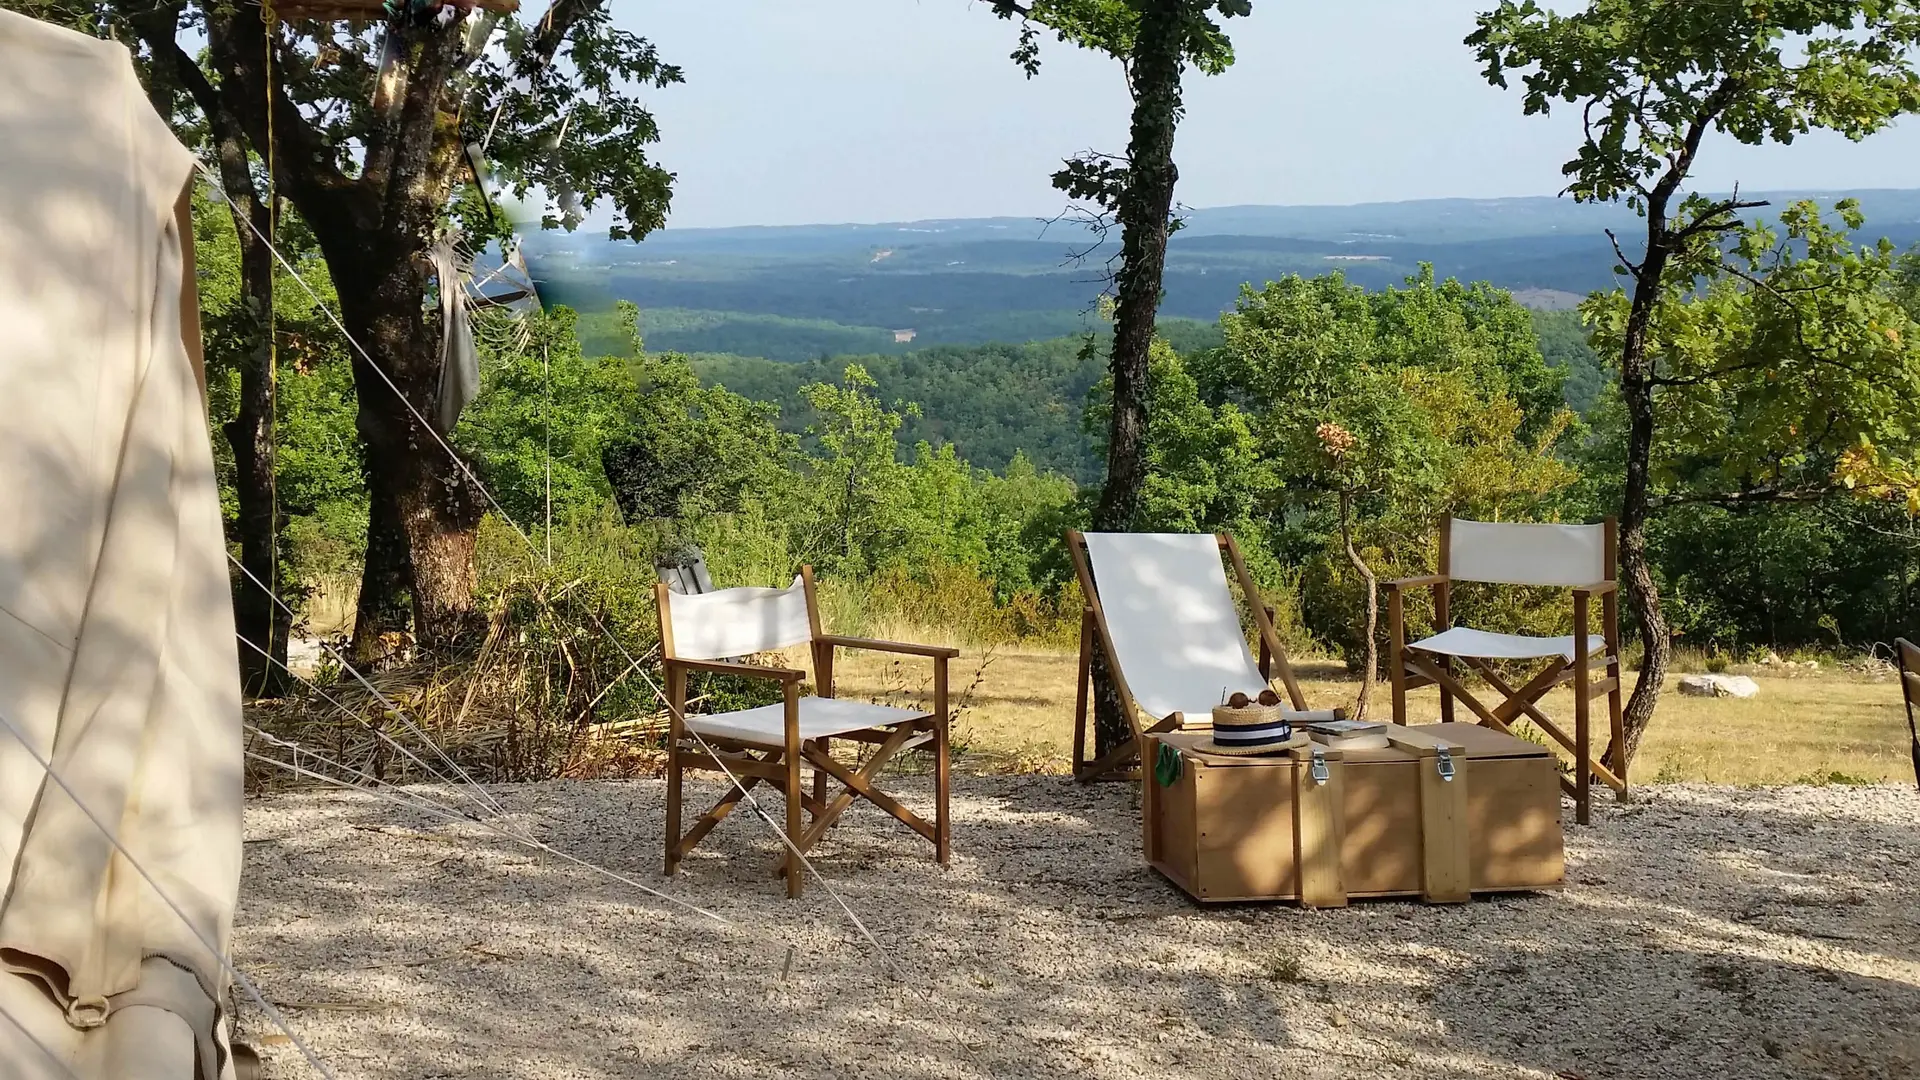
[
  {"x": 772, "y": 743},
  {"x": 1579, "y": 558},
  {"x": 1158, "y": 606}
]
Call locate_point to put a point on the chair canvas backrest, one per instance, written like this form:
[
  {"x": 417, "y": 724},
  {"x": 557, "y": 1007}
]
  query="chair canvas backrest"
[
  {"x": 737, "y": 622},
  {"x": 1511, "y": 554},
  {"x": 1175, "y": 631}
]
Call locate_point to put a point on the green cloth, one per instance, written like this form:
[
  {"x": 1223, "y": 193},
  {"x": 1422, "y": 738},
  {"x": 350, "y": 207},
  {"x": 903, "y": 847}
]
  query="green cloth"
[{"x": 1166, "y": 765}]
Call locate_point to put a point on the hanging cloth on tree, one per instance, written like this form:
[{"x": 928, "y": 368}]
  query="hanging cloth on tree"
[
  {"x": 459, "y": 360},
  {"x": 117, "y": 663}
]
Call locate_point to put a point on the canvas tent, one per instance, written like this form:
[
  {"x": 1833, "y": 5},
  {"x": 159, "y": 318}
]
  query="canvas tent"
[{"x": 117, "y": 657}]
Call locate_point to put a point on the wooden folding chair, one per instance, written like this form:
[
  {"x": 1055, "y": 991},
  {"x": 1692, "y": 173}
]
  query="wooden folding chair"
[
  {"x": 1580, "y": 558},
  {"x": 771, "y": 744},
  {"x": 1157, "y": 605},
  {"x": 1909, "y": 658}
]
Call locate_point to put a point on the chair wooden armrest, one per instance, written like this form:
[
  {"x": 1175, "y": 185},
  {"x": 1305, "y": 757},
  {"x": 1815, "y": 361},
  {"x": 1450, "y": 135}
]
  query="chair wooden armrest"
[
  {"x": 751, "y": 671},
  {"x": 1415, "y": 582},
  {"x": 1598, "y": 588},
  {"x": 873, "y": 645}
]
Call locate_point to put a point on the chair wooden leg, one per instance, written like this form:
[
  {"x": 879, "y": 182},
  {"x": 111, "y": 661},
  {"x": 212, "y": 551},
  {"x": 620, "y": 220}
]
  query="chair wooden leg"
[
  {"x": 1081, "y": 693},
  {"x": 1446, "y": 695},
  {"x": 790, "y": 759},
  {"x": 1582, "y": 716},
  {"x": 1397, "y": 655},
  {"x": 674, "y": 793},
  {"x": 1610, "y": 627},
  {"x": 942, "y": 776},
  {"x": 820, "y": 778}
]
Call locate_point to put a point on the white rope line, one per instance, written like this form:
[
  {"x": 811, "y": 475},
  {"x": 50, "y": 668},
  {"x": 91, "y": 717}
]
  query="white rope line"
[
  {"x": 392, "y": 708},
  {"x": 363, "y": 722},
  {"x": 419, "y": 800},
  {"x": 461, "y": 464},
  {"x": 214, "y": 951},
  {"x": 385, "y": 790}
]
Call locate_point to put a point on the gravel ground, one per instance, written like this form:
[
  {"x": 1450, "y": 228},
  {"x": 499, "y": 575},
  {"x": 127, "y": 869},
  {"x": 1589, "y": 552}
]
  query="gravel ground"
[{"x": 1703, "y": 932}]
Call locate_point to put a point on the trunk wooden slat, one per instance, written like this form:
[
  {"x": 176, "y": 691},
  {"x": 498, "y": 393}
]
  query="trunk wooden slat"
[{"x": 1235, "y": 828}]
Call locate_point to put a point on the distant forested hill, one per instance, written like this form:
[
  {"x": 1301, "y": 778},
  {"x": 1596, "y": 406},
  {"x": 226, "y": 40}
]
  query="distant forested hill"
[{"x": 796, "y": 293}]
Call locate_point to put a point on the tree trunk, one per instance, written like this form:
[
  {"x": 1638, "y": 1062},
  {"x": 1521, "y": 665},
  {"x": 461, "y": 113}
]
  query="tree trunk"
[
  {"x": 384, "y": 607},
  {"x": 417, "y": 493},
  {"x": 375, "y": 229},
  {"x": 257, "y": 612},
  {"x": 262, "y": 624},
  {"x": 1371, "y": 653},
  {"x": 1636, "y": 571},
  {"x": 1144, "y": 210}
]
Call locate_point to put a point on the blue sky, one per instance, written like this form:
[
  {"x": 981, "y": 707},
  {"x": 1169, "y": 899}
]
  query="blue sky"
[{"x": 804, "y": 111}]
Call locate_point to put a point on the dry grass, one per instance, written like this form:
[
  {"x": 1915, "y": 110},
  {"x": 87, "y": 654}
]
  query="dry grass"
[{"x": 1826, "y": 727}]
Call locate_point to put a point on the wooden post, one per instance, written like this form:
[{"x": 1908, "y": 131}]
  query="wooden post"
[
  {"x": 1582, "y": 715},
  {"x": 1083, "y": 682},
  {"x": 942, "y": 737},
  {"x": 794, "y": 798},
  {"x": 1397, "y": 654},
  {"x": 676, "y": 706},
  {"x": 676, "y": 714},
  {"x": 1442, "y": 613}
]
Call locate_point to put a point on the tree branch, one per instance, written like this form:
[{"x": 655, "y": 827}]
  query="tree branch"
[
  {"x": 1749, "y": 497},
  {"x": 555, "y": 25},
  {"x": 1707, "y": 222},
  {"x": 1632, "y": 267}
]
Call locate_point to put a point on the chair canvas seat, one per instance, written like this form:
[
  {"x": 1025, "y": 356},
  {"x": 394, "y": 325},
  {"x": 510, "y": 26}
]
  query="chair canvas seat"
[
  {"x": 819, "y": 718},
  {"x": 1484, "y": 645}
]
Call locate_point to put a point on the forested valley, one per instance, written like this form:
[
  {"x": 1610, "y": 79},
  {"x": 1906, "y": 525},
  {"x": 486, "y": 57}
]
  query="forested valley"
[{"x": 1735, "y": 376}]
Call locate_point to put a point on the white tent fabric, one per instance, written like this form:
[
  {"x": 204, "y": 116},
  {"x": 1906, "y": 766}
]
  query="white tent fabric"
[
  {"x": 1509, "y": 553},
  {"x": 1176, "y": 633},
  {"x": 459, "y": 359},
  {"x": 117, "y": 658}
]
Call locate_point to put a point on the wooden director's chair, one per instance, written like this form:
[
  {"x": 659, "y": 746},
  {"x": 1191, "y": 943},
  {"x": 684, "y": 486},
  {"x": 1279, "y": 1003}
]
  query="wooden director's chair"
[
  {"x": 1908, "y": 655},
  {"x": 1157, "y": 605},
  {"x": 770, "y": 744},
  {"x": 1580, "y": 558}
]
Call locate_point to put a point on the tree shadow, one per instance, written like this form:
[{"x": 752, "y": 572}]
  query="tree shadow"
[{"x": 1049, "y": 948}]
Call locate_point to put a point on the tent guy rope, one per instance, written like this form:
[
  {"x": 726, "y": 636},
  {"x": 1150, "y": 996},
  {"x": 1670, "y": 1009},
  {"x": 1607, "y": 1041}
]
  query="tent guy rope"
[
  {"x": 253, "y": 992},
  {"x": 461, "y": 464}
]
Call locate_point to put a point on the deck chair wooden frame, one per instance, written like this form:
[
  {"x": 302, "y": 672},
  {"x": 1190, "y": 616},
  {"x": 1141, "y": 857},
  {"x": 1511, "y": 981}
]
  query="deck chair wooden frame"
[
  {"x": 1122, "y": 762},
  {"x": 1907, "y": 654},
  {"x": 759, "y": 747},
  {"x": 1411, "y": 667}
]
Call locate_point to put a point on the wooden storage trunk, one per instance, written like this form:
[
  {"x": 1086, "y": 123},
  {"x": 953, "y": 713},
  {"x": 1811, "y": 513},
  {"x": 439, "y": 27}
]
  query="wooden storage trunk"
[{"x": 1382, "y": 822}]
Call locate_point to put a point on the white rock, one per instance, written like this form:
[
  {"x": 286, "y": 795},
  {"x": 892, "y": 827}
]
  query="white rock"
[
  {"x": 1735, "y": 686},
  {"x": 1770, "y": 659}
]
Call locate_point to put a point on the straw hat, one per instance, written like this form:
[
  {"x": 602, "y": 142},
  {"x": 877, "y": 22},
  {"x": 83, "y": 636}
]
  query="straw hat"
[{"x": 1243, "y": 728}]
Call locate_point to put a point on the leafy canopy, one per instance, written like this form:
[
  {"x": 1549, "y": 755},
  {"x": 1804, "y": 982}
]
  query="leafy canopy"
[{"x": 1651, "y": 75}]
